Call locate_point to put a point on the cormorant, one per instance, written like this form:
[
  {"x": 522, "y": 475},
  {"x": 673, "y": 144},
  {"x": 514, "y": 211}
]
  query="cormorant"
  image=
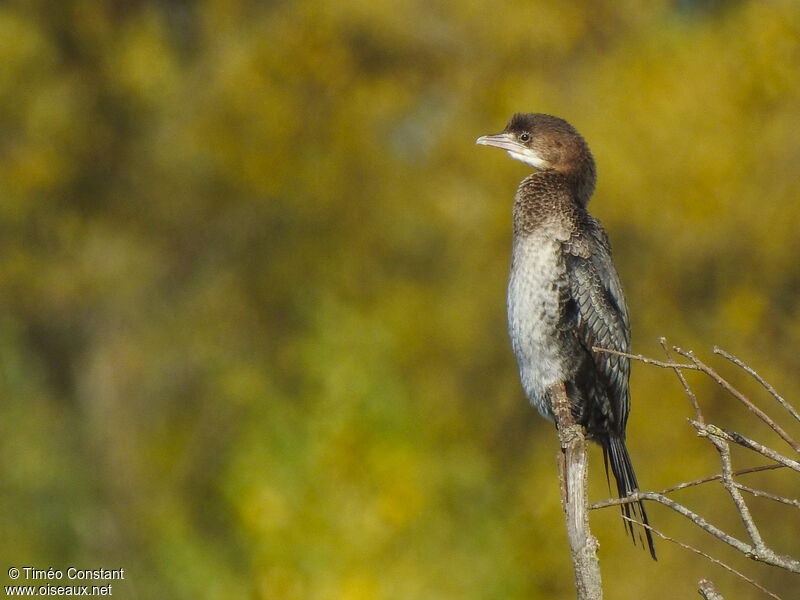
[{"x": 564, "y": 294}]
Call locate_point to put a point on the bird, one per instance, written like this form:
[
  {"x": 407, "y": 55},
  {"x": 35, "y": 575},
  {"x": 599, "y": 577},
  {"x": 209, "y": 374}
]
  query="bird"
[{"x": 564, "y": 293}]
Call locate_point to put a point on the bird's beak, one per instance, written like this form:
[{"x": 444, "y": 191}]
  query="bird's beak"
[
  {"x": 502, "y": 140},
  {"x": 515, "y": 150}
]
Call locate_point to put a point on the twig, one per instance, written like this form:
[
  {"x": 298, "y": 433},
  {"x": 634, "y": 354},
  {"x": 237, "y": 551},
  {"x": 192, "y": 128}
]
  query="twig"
[
  {"x": 739, "y": 396},
  {"x": 692, "y": 516},
  {"x": 738, "y": 438},
  {"x": 647, "y": 361},
  {"x": 698, "y": 365},
  {"x": 769, "y": 557},
  {"x": 720, "y": 438},
  {"x": 750, "y": 371},
  {"x": 689, "y": 393},
  {"x": 721, "y": 444},
  {"x": 716, "y": 477},
  {"x": 767, "y": 495},
  {"x": 710, "y": 478},
  {"x": 583, "y": 545},
  {"x": 716, "y": 561}
]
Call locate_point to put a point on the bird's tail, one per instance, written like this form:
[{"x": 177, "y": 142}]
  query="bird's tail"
[{"x": 615, "y": 452}]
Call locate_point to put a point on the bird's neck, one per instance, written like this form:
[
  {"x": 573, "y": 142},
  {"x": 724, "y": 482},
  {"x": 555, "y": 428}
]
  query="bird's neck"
[{"x": 547, "y": 199}]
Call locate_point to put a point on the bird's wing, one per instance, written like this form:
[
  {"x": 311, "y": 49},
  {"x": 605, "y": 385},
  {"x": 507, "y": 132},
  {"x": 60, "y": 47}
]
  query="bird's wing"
[{"x": 602, "y": 316}]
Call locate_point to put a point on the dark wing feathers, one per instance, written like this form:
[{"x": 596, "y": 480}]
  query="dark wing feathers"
[
  {"x": 602, "y": 320},
  {"x": 602, "y": 316}
]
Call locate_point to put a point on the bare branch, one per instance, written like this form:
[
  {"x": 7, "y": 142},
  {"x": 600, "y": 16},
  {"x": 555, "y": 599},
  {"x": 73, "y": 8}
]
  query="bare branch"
[
  {"x": 698, "y": 365},
  {"x": 647, "y": 361},
  {"x": 689, "y": 393},
  {"x": 680, "y": 509},
  {"x": 708, "y": 591},
  {"x": 583, "y": 545},
  {"x": 727, "y": 481},
  {"x": 750, "y": 371},
  {"x": 746, "y": 442},
  {"x": 767, "y": 495},
  {"x": 680, "y": 486},
  {"x": 765, "y": 555},
  {"x": 739, "y": 396},
  {"x": 716, "y": 477},
  {"x": 716, "y": 561},
  {"x": 721, "y": 438}
]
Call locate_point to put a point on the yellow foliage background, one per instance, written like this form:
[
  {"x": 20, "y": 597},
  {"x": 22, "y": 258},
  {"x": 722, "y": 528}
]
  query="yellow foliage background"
[{"x": 252, "y": 330}]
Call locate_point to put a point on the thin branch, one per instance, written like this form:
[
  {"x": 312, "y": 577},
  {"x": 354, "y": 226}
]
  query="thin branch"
[
  {"x": 689, "y": 393},
  {"x": 698, "y": 365},
  {"x": 767, "y": 556},
  {"x": 716, "y": 561},
  {"x": 680, "y": 486},
  {"x": 746, "y": 442},
  {"x": 741, "y": 546},
  {"x": 724, "y": 450},
  {"x": 767, "y": 495},
  {"x": 716, "y": 477},
  {"x": 647, "y": 361},
  {"x": 721, "y": 439},
  {"x": 750, "y": 371},
  {"x": 739, "y": 396}
]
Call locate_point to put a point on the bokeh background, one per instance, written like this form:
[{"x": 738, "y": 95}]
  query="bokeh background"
[{"x": 252, "y": 286}]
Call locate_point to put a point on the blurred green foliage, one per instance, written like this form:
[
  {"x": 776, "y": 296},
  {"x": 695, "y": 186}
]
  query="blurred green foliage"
[{"x": 253, "y": 267}]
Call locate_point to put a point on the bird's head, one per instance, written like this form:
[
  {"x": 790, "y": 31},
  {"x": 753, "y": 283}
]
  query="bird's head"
[
  {"x": 541, "y": 141},
  {"x": 548, "y": 144}
]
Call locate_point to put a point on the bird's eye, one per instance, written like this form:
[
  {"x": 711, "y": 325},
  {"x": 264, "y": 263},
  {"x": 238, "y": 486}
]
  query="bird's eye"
[{"x": 524, "y": 137}]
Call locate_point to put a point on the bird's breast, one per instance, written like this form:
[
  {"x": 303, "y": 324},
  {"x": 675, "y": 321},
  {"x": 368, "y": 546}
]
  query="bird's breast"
[{"x": 537, "y": 289}]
